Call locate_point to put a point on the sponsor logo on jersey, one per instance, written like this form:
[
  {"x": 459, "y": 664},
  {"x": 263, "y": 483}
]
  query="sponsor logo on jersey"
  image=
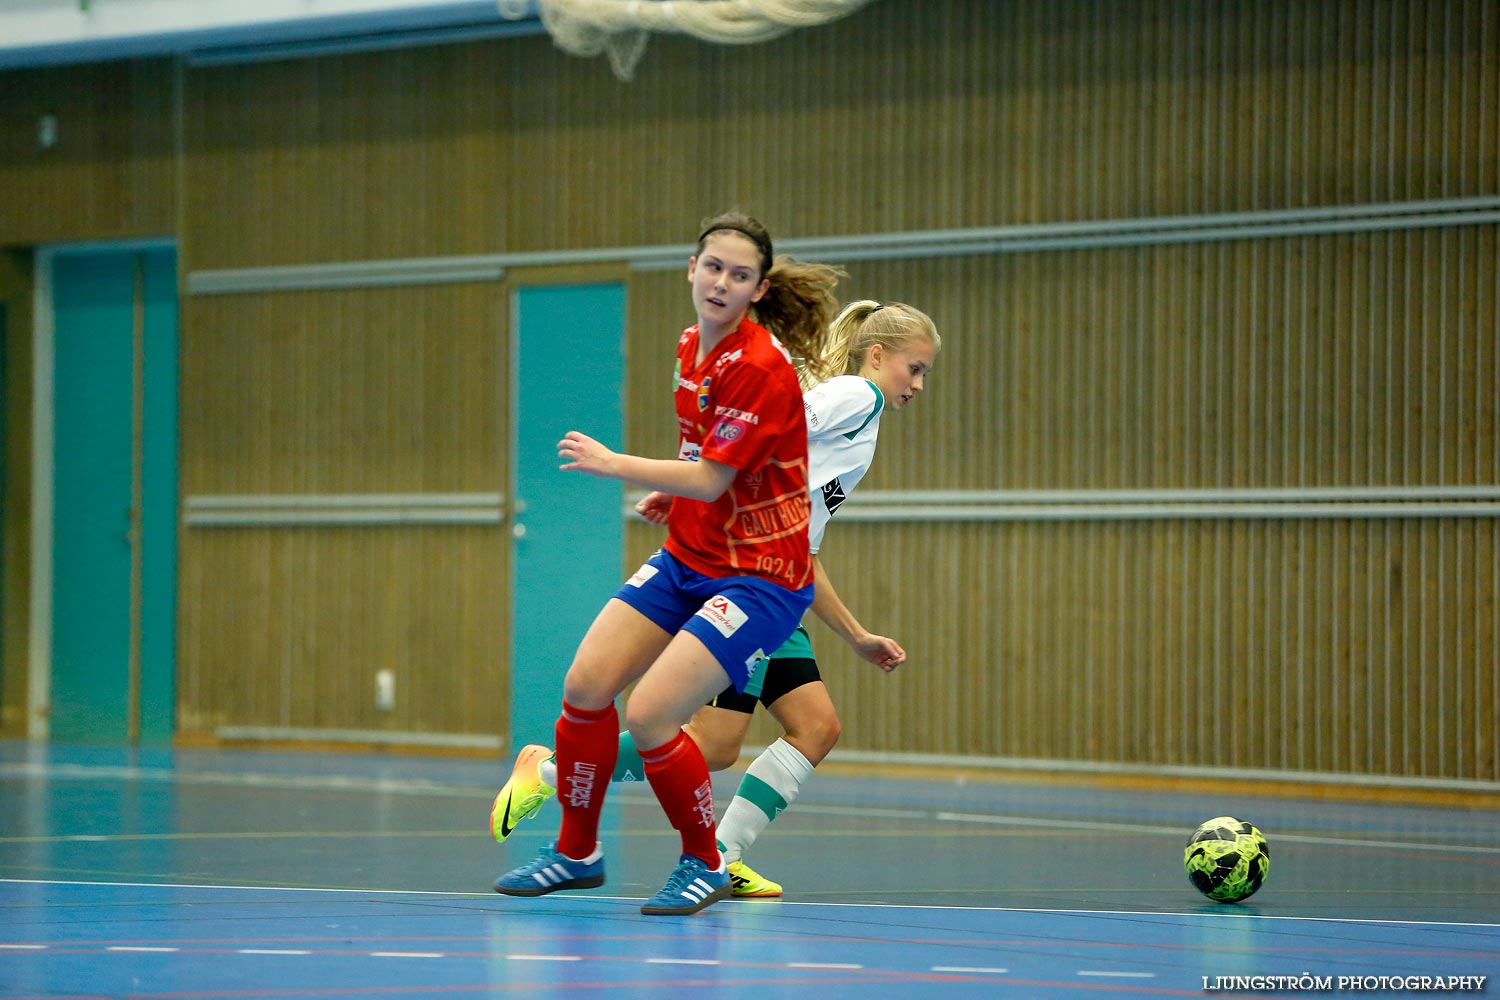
[
  {"x": 677, "y": 375},
  {"x": 733, "y": 414},
  {"x": 689, "y": 451},
  {"x": 703, "y": 395},
  {"x": 812, "y": 414},
  {"x": 776, "y": 519},
  {"x": 833, "y": 495},
  {"x": 729, "y": 430},
  {"x": 723, "y": 614},
  {"x": 640, "y": 576}
]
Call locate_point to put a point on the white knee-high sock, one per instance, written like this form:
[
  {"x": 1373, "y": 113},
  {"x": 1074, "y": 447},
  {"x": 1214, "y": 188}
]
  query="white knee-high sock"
[{"x": 770, "y": 786}]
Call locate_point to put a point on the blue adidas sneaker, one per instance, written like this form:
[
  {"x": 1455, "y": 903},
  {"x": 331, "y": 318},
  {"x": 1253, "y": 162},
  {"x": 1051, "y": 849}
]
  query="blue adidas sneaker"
[
  {"x": 550, "y": 871},
  {"x": 691, "y": 886}
]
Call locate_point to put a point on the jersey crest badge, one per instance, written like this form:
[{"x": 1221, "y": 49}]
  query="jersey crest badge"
[{"x": 703, "y": 395}]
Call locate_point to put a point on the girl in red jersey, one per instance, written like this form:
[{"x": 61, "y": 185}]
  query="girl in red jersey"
[{"x": 732, "y": 580}]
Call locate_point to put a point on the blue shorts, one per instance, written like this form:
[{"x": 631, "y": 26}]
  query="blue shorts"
[{"x": 738, "y": 618}]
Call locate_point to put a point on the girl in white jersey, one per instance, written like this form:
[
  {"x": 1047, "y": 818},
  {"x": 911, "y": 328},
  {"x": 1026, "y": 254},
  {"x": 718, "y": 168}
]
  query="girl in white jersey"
[{"x": 878, "y": 356}]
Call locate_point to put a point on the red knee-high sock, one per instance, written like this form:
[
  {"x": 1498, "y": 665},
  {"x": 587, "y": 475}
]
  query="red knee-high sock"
[
  {"x": 680, "y": 779},
  {"x": 587, "y": 744}
]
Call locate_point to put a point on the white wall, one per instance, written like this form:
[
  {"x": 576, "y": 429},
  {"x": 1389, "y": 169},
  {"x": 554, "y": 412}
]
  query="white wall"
[{"x": 39, "y": 32}]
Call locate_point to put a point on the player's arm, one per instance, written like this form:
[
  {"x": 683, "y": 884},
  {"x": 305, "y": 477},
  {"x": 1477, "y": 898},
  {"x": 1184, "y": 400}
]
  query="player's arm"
[
  {"x": 704, "y": 479},
  {"x": 880, "y": 650}
]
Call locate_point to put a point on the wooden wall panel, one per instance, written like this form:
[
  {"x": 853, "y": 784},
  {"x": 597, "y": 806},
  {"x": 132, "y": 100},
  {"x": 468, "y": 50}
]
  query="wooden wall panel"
[
  {"x": 361, "y": 391},
  {"x": 397, "y": 390},
  {"x": 287, "y": 627},
  {"x": 1290, "y": 645},
  {"x": 905, "y": 116},
  {"x": 112, "y": 173},
  {"x": 388, "y": 154},
  {"x": 1364, "y": 359}
]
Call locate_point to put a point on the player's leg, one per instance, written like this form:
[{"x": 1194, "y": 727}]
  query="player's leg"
[
  {"x": 718, "y": 728},
  {"x": 810, "y": 721},
  {"x": 775, "y": 778},
  {"x": 619, "y": 646},
  {"x": 739, "y": 619},
  {"x": 685, "y": 676},
  {"x": 623, "y": 640},
  {"x": 799, "y": 701}
]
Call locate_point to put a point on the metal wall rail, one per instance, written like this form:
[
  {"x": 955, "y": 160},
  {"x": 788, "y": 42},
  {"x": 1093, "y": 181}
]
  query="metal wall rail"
[
  {"x": 313, "y": 510},
  {"x": 1107, "y": 767},
  {"x": 1272, "y": 503},
  {"x": 1093, "y": 234}
]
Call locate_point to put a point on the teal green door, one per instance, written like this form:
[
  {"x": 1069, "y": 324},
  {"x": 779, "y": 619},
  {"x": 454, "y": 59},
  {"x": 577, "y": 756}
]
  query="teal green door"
[
  {"x": 567, "y": 533},
  {"x": 114, "y": 494}
]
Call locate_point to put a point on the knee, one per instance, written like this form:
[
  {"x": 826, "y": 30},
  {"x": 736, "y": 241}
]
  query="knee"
[
  {"x": 580, "y": 692},
  {"x": 647, "y": 732},
  {"x": 816, "y": 739}
]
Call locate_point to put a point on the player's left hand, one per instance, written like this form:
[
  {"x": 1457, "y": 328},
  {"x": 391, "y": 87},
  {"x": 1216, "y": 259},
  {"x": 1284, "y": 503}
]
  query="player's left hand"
[
  {"x": 883, "y": 651},
  {"x": 581, "y": 453}
]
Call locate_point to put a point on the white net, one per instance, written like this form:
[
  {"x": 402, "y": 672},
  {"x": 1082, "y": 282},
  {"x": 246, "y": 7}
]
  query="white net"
[{"x": 620, "y": 28}]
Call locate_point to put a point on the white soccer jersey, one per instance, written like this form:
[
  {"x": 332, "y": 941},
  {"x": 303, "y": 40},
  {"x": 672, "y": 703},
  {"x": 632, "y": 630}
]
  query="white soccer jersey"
[{"x": 843, "y": 420}]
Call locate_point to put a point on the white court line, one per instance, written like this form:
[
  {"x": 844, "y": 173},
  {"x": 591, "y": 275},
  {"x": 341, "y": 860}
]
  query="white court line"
[
  {"x": 123, "y": 947},
  {"x": 781, "y": 904},
  {"x": 24, "y": 947},
  {"x": 822, "y": 965},
  {"x": 544, "y": 958},
  {"x": 968, "y": 969},
  {"x": 407, "y": 954},
  {"x": 1118, "y": 975},
  {"x": 682, "y": 961},
  {"x": 271, "y": 951}
]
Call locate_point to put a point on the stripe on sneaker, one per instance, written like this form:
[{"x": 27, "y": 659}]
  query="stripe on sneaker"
[
  {"x": 697, "y": 890},
  {"x": 552, "y": 875}
]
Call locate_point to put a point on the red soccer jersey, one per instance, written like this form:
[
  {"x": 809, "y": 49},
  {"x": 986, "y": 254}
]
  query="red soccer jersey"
[{"x": 743, "y": 407}]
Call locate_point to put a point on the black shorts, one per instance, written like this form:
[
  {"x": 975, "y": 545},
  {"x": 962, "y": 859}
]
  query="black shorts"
[{"x": 782, "y": 676}]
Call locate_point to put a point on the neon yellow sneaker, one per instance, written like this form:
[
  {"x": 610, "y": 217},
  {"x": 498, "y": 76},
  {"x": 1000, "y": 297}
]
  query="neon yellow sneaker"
[
  {"x": 523, "y": 794},
  {"x": 748, "y": 884}
]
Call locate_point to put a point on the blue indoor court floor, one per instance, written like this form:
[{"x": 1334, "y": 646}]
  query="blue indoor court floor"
[{"x": 244, "y": 874}]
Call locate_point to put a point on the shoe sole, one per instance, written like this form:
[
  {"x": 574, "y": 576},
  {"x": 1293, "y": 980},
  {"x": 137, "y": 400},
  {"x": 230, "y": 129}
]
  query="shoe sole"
[
  {"x": 757, "y": 895},
  {"x": 591, "y": 882},
  {"x": 682, "y": 911}
]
